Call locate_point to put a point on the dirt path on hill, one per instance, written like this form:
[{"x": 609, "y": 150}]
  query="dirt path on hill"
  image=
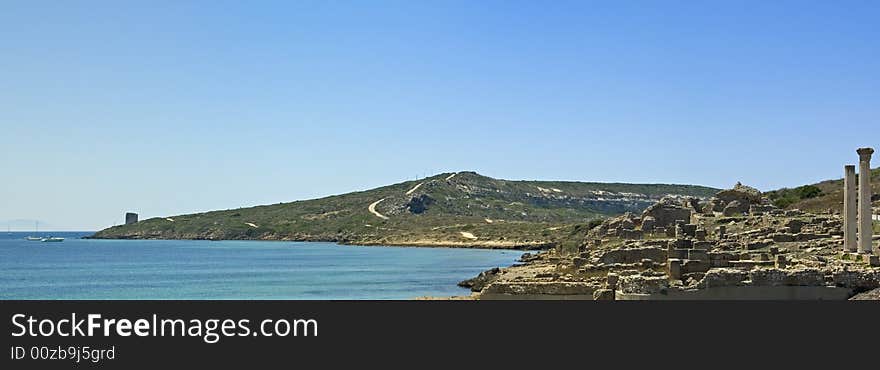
[
  {"x": 414, "y": 188},
  {"x": 467, "y": 235},
  {"x": 372, "y": 209}
]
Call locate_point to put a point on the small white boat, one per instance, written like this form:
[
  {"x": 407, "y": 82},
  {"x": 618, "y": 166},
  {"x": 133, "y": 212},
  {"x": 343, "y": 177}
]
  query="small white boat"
[
  {"x": 36, "y": 231},
  {"x": 52, "y": 239}
]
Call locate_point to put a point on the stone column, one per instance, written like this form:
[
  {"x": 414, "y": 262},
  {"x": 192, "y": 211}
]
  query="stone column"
[
  {"x": 849, "y": 209},
  {"x": 865, "y": 227}
]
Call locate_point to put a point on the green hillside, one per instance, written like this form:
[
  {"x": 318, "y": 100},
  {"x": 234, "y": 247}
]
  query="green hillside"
[
  {"x": 820, "y": 197},
  {"x": 451, "y": 209}
]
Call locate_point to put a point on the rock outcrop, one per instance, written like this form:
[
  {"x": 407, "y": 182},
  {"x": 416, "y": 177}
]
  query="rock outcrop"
[
  {"x": 666, "y": 212},
  {"x": 419, "y": 204}
]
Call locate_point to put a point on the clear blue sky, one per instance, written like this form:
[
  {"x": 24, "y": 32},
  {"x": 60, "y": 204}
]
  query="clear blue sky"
[{"x": 174, "y": 107}]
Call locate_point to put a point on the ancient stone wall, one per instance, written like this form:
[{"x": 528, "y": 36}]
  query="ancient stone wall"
[{"x": 632, "y": 255}]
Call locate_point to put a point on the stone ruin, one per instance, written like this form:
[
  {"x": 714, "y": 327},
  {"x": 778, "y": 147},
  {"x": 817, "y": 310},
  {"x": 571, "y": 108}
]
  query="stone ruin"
[
  {"x": 734, "y": 245},
  {"x": 738, "y": 201}
]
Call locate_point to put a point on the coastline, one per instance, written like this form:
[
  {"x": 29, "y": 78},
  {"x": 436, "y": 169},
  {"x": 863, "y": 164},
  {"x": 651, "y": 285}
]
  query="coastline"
[
  {"x": 518, "y": 281},
  {"x": 275, "y": 270},
  {"x": 519, "y": 264},
  {"x": 420, "y": 243}
]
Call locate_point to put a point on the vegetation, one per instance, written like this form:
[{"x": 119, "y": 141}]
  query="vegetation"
[
  {"x": 830, "y": 195},
  {"x": 464, "y": 209},
  {"x": 785, "y": 197}
]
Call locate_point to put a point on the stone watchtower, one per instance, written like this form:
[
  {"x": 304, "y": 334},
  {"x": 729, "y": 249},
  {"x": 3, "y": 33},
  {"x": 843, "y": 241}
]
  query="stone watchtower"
[{"x": 130, "y": 218}]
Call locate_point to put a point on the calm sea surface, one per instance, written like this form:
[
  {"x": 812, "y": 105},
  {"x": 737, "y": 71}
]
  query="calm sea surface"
[{"x": 183, "y": 269}]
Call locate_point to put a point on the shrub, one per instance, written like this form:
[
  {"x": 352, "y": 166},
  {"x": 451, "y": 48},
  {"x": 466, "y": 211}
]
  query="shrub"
[
  {"x": 783, "y": 198},
  {"x": 808, "y": 191}
]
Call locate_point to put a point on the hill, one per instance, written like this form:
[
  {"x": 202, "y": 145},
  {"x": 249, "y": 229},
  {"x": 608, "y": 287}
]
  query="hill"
[
  {"x": 461, "y": 209},
  {"x": 821, "y": 196}
]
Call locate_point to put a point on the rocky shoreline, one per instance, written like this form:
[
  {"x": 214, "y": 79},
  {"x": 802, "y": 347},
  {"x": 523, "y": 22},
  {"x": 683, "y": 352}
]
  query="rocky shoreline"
[{"x": 424, "y": 243}]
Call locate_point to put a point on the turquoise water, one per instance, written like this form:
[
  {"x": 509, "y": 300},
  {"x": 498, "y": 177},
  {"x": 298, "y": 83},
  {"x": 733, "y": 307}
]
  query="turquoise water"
[{"x": 195, "y": 269}]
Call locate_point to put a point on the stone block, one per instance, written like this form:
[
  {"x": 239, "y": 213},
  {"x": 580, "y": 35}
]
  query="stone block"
[
  {"x": 691, "y": 266},
  {"x": 641, "y": 284},
  {"x": 782, "y": 238},
  {"x": 689, "y": 230},
  {"x": 749, "y": 264},
  {"x": 611, "y": 280},
  {"x": 698, "y": 255},
  {"x": 682, "y": 243},
  {"x": 721, "y": 232},
  {"x": 706, "y": 245},
  {"x": 758, "y": 244},
  {"x": 802, "y": 237},
  {"x": 721, "y": 259},
  {"x": 673, "y": 266},
  {"x": 628, "y": 234},
  {"x": 795, "y": 225},
  {"x": 723, "y": 277},
  {"x": 633, "y": 255},
  {"x": 700, "y": 234},
  {"x": 603, "y": 295},
  {"x": 779, "y": 277},
  {"x": 678, "y": 253},
  {"x": 781, "y": 261}
]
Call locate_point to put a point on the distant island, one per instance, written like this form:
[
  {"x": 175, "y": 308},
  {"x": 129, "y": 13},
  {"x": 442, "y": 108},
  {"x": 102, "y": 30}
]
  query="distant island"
[{"x": 457, "y": 209}]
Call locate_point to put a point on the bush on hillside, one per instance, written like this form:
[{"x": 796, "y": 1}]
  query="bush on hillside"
[{"x": 785, "y": 197}]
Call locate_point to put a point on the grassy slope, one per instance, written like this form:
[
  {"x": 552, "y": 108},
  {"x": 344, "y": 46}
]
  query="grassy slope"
[
  {"x": 831, "y": 196},
  {"x": 521, "y": 213}
]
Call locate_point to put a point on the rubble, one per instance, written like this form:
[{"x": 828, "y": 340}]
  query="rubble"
[
  {"x": 778, "y": 277},
  {"x": 735, "y": 240},
  {"x": 643, "y": 284},
  {"x": 631, "y": 255},
  {"x": 721, "y": 277},
  {"x": 665, "y": 213}
]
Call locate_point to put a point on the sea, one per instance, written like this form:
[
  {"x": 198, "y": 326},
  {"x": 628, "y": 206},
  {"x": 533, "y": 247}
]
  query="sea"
[{"x": 86, "y": 269}]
